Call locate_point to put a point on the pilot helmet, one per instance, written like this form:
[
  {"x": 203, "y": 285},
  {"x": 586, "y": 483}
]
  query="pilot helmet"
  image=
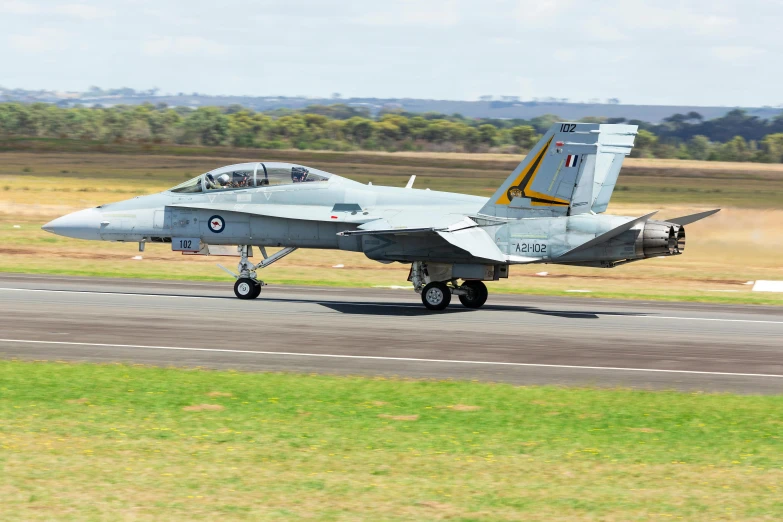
[
  {"x": 298, "y": 173},
  {"x": 224, "y": 179}
]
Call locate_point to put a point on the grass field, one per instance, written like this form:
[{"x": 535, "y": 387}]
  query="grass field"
[
  {"x": 116, "y": 442},
  {"x": 741, "y": 244}
]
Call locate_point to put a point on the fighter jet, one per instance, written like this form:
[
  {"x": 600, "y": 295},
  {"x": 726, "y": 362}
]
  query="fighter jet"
[{"x": 549, "y": 210}]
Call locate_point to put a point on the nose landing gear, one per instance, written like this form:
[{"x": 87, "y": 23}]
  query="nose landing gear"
[{"x": 247, "y": 286}]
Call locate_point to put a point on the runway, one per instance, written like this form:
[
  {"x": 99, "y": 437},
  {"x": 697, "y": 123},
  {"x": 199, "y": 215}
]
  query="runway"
[{"x": 514, "y": 339}]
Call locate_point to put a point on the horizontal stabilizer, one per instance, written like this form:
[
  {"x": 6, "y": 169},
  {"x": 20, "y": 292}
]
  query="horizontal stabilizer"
[
  {"x": 687, "y": 220},
  {"x": 606, "y": 236}
]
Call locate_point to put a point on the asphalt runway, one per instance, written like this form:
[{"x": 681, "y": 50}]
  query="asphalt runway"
[{"x": 515, "y": 339}]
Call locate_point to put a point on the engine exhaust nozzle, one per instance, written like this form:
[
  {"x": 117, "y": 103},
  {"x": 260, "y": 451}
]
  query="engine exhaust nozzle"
[{"x": 663, "y": 239}]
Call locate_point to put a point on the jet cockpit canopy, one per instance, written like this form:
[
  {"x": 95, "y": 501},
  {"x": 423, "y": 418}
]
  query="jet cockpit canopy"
[{"x": 249, "y": 175}]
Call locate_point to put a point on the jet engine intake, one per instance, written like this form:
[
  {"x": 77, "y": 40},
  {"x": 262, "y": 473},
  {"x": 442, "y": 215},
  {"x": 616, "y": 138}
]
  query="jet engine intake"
[{"x": 663, "y": 239}]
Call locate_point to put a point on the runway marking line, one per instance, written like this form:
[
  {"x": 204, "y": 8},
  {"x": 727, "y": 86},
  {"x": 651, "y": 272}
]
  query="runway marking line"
[
  {"x": 608, "y": 315},
  {"x": 395, "y": 359}
]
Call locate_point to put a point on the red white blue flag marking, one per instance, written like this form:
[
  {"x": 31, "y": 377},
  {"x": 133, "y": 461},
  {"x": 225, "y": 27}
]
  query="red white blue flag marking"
[{"x": 571, "y": 160}]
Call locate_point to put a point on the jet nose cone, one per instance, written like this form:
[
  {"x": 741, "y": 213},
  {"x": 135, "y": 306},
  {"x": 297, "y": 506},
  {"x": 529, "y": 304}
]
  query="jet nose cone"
[{"x": 85, "y": 224}]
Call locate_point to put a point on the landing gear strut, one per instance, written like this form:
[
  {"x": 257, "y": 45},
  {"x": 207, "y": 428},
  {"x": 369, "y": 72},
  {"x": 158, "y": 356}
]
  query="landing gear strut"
[
  {"x": 436, "y": 295},
  {"x": 247, "y": 285}
]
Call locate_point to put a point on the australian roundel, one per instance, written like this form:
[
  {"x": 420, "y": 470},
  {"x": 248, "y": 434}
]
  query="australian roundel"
[{"x": 216, "y": 224}]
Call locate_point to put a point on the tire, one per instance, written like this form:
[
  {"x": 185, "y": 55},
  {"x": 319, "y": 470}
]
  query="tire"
[
  {"x": 477, "y": 294},
  {"x": 257, "y": 291},
  {"x": 246, "y": 288},
  {"x": 436, "y": 296}
]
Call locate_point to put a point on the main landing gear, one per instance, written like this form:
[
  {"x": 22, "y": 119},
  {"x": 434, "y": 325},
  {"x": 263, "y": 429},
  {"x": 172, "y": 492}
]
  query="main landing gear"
[
  {"x": 436, "y": 295},
  {"x": 247, "y": 286}
]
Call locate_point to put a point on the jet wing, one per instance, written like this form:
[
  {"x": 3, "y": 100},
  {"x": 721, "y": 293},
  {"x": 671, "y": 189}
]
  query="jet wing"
[
  {"x": 464, "y": 234},
  {"x": 303, "y": 212},
  {"x": 475, "y": 241}
]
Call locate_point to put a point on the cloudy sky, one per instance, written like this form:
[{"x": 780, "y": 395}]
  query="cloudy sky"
[{"x": 713, "y": 52}]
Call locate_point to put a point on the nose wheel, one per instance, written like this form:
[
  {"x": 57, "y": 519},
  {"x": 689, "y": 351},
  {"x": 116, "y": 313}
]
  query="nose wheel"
[
  {"x": 246, "y": 285},
  {"x": 246, "y": 288}
]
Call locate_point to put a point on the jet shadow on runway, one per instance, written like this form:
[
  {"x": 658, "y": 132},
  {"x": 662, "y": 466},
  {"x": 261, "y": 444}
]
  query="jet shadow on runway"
[
  {"x": 404, "y": 309},
  {"x": 381, "y": 308}
]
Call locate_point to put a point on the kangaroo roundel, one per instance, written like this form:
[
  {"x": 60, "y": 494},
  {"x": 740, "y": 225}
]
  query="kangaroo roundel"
[{"x": 217, "y": 224}]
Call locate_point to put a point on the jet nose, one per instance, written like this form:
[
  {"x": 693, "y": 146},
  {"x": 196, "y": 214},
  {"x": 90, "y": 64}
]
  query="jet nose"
[{"x": 85, "y": 224}]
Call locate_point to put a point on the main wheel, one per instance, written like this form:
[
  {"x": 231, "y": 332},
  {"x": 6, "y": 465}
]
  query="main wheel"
[
  {"x": 246, "y": 288},
  {"x": 436, "y": 296},
  {"x": 477, "y": 294}
]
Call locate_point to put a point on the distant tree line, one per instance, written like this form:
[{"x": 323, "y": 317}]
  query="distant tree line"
[{"x": 734, "y": 137}]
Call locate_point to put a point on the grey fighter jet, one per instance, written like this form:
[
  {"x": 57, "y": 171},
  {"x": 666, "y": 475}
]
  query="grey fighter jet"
[{"x": 549, "y": 210}]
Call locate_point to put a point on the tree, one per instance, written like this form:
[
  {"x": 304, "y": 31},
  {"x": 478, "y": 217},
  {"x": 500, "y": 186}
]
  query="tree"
[
  {"x": 524, "y": 136},
  {"x": 644, "y": 144},
  {"x": 772, "y": 148},
  {"x": 736, "y": 149},
  {"x": 359, "y": 129},
  {"x": 206, "y": 126},
  {"x": 543, "y": 123},
  {"x": 244, "y": 129},
  {"x": 487, "y": 133},
  {"x": 699, "y": 147},
  {"x": 593, "y": 119},
  {"x": 387, "y": 130}
]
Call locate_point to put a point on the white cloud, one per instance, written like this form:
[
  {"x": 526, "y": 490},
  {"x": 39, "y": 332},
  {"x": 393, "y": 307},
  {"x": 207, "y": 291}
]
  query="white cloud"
[
  {"x": 540, "y": 15},
  {"x": 41, "y": 40},
  {"x": 690, "y": 51},
  {"x": 76, "y": 10},
  {"x": 598, "y": 29},
  {"x": 18, "y": 7},
  {"x": 82, "y": 11},
  {"x": 565, "y": 55},
  {"x": 183, "y": 46},
  {"x": 736, "y": 54},
  {"x": 443, "y": 13}
]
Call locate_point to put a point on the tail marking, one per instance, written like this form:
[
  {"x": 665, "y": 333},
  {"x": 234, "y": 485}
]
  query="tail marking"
[{"x": 521, "y": 186}]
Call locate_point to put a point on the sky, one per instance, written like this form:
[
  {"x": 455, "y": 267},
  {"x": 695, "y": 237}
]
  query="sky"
[{"x": 688, "y": 52}]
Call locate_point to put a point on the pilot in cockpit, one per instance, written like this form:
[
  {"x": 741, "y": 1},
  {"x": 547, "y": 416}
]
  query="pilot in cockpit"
[
  {"x": 224, "y": 180},
  {"x": 298, "y": 174}
]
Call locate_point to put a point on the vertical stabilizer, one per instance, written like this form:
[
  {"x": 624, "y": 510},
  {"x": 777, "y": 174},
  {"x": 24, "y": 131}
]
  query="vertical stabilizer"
[
  {"x": 592, "y": 193},
  {"x": 572, "y": 169}
]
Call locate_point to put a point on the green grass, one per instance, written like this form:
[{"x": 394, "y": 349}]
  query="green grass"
[{"x": 84, "y": 441}]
